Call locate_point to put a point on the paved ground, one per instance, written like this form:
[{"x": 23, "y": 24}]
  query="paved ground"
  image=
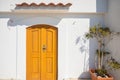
[{"x": 76, "y": 79}]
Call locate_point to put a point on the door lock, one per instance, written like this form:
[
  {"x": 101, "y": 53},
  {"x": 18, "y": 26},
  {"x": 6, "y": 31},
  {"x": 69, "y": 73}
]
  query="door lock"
[{"x": 44, "y": 47}]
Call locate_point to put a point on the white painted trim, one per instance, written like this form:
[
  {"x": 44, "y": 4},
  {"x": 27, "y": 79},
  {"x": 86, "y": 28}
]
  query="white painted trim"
[
  {"x": 51, "y": 11},
  {"x": 40, "y": 11},
  {"x": 47, "y": 12},
  {"x": 31, "y": 11}
]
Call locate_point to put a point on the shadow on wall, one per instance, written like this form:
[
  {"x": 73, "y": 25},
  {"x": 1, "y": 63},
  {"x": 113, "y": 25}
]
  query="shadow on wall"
[
  {"x": 32, "y": 19},
  {"x": 36, "y": 18},
  {"x": 84, "y": 49},
  {"x": 101, "y": 5},
  {"x": 88, "y": 50}
]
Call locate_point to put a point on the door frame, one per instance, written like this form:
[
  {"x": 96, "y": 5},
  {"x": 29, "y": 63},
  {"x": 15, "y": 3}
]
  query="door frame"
[{"x": 43, "y": 26}]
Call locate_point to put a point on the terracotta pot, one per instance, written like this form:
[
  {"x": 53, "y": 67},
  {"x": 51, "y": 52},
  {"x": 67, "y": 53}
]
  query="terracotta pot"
[{"x": 94, "y": 77}]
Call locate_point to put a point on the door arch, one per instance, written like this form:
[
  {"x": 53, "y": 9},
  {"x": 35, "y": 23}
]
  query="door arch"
[{"x": 41, "y": 54}]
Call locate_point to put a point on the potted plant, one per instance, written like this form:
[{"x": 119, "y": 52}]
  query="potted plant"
[{"x": 99, "y": 33}]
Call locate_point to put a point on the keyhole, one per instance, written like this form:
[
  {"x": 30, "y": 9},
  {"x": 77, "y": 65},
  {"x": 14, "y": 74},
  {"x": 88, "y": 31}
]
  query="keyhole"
[{"x": 44, "y": 47}]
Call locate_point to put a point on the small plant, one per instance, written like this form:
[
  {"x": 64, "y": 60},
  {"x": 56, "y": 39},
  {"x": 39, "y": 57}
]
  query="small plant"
[
  {"x": 101, "y": 72},
  {"x": 113, "y": 64},
  {"x": 99, "y": 33}
]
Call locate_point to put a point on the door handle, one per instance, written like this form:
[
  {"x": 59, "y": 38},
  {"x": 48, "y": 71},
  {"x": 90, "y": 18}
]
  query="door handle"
[{"x": 44, "y": 47}]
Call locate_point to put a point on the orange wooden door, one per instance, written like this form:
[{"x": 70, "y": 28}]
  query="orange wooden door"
[{"x": 41, "y": 53}]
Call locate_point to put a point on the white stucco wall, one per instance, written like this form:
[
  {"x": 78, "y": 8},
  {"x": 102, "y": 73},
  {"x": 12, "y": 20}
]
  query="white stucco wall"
[
  {"x": 75, "y": 54},
  {"x": 112, "y": 20},
  {"x": 82, "y": 6},
  {"x": 7, "y": 50}
]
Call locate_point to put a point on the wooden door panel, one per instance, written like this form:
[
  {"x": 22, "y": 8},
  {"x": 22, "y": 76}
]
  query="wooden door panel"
[
  {"x": 35, "y": 41},
  {"x": 41, "y": 53},
  {"x": 50, "y": 55},
  {"x": 34, "y": 54},
  {"x": 35, "y": 65},
  {"x": 49, "y": 63},
  {"x": 49, "y": 40}
]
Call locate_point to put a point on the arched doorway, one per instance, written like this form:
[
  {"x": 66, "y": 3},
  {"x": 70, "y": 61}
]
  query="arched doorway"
[{"x": 41, "y": 56}]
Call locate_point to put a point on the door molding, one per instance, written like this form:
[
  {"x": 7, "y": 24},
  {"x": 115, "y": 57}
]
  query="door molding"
[{"x": 41, "y": 26}]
